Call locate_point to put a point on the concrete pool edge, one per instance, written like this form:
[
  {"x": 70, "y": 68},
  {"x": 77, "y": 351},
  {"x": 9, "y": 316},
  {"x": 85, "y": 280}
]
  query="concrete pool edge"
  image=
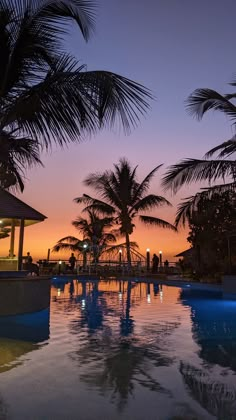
[{"x": 24, "y": 295}]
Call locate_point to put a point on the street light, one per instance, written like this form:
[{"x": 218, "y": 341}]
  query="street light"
[
  {"x": 160, "y": 258},
  {"x": 120, "y": 255},
  {"x": 148, "y": 258},
  {"x": 84, "y": 255},
  {"x": 59, "y": 267}
]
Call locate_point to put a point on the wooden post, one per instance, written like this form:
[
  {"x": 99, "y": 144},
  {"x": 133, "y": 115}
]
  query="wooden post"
[
  {"x": 12, "y": 239},
  {"x": 21, "y": 240}
]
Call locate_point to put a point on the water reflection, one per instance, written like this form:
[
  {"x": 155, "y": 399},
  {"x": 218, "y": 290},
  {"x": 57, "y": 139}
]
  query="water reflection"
[
  {"x": 134, "y": 340},
  {"x": 213, "y": 326},
  {"x": 3, "y": 410},
  {"x": 21, "y": 334},
  {"x": 214, "y": 330},
  {"x": 216, "y": 397},
  {"x": 118, "y": 360}
]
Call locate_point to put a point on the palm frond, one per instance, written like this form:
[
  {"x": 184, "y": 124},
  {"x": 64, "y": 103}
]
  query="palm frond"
[
  {"x": 193, "y": 204},
  {"x": 186, "y": 209},
  {"x": 145, "y": 184},
  {"x": 69, "y": 103},
  {"x": 94, "y": 204},
  {"x": 150, "y": 201},
  {"x": 52, "y": 13},
  {"x": 16, "y": 155},
  {"x": 194, "y": 170},
  {"x": 203, "y": 100},
  {"x": 219, "y": 189},
  {"x": 227, "y": 148},
  {"x": 154, "y": 221}
]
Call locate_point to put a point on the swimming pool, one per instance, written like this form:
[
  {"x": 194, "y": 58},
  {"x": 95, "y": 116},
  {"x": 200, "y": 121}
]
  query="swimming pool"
[{"x": 120, "y": 350}]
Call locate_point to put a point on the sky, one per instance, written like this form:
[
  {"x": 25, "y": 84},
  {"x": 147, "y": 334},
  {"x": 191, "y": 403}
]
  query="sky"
[{"x": 172, "y": 47}]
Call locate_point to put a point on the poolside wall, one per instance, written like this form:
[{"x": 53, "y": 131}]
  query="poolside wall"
[
  {"x": 18, "y": 296},
  {"x": 229, "y": 286}
]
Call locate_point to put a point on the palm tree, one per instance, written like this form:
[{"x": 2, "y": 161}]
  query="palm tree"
[
  {"x": 97, "y": 236},
  {"x": 46, "y": 96},
  {"x": 206, "y": 169},
  {"x": 96, "y": 232},
  {"x": 124, "y": 198},
  {"x": 16, "y": 155}
]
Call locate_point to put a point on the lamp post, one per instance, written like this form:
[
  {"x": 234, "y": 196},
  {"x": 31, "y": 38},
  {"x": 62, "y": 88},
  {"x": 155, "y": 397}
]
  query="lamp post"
[
  {"x": 85, "y": 255},
  {"x": 148, "y": 259},
  {"x": 120, "y": 256},
  {"x": 59, "y": 267},
  {"x": 160, "y": 258}
]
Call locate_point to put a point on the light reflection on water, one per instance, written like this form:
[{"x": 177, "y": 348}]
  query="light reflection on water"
[{"x": 121, "y": 350}]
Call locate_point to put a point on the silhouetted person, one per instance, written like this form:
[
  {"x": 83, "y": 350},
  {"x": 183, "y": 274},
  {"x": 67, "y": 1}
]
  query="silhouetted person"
[
  {"x": 32, "y": 268},
  {"x": 29, "y": 259},
  {"x": 155, "y": 263},
  {"x": 166, "y": 265},
  {"x": 72, "y": 261}
]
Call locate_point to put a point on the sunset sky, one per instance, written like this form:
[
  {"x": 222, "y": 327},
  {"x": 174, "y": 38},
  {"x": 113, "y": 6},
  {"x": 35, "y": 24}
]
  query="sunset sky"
[{"x": 172, "y": 47}]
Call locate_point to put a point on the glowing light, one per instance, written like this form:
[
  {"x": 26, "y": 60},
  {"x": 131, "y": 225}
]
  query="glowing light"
[
  {"x": 149, "y": 298},
  {"x": 83, "y": 303},
  {"x": 60, "y": 262},
  {"x": 58, "y": 292},
  {"x": 120, "y": 296},
  {"x": 85, "y": 245},
  {"x": 160, "y": 252},
  {"x": 120, "y": 251},
  {"x": 161, "y": 296},
  {"x": 148, "y": 249},
  {"x": 1, "y": 221}
]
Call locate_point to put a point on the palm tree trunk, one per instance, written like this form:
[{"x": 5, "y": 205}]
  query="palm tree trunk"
[{"x": 128, "y": 250}]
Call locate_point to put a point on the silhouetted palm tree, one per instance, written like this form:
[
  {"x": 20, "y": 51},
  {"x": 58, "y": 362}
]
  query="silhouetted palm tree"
[
  {"x": 96, "y": 232},
  {"x": 17, "y": 154},
  {"x": 195, "y": 170},
  {"x": 124, "y": 198},
  {"x": 45, "y": 94}
]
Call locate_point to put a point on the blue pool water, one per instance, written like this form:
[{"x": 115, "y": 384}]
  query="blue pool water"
[{"x": 117, "y": 350}]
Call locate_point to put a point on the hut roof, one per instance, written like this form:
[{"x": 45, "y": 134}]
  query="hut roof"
[
  {"x": 11, "y": 208},
  {"x": 186, "y": 253}
]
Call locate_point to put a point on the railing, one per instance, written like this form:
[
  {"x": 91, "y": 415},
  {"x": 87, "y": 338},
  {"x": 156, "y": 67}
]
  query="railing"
[{"x": 103, "y": 267}]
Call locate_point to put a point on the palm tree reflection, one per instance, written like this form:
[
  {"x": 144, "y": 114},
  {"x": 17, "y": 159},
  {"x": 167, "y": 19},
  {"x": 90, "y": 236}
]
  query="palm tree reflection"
[
  {"x": 3, "y": 410},
  {"x": 116, "y": 360},
  {"x": 216, "y": 397},
  {"x": 126, "y": 321}
]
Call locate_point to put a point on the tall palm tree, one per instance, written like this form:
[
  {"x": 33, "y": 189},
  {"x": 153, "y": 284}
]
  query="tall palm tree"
[
  {"x": 206, "y": 169},
  {"x": 45, "y": 94},
  {"x": 124, "y": 198},
  {"x": 97, "y": 236}
]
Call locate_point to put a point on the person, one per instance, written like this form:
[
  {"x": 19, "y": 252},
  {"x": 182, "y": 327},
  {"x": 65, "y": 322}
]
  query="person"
[
  {"x": 32, "y": 268},
  {"x": 29, "y": 259},
  {"x": 72, "y": 261},
  {"x": 166, "y": 265},
  {"x": 155, "y": 263}
]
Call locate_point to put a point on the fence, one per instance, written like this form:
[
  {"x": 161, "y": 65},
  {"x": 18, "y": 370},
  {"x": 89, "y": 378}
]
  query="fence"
[{"x": 104, "y": 267}]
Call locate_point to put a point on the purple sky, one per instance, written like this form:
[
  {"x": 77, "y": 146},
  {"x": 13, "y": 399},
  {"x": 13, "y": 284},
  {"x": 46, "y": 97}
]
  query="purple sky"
[{"x": 172, "y": 47}]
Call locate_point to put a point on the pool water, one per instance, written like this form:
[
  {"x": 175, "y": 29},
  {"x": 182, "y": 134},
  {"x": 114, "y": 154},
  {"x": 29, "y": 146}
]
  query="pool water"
[{"x": 120, "y": 350}]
